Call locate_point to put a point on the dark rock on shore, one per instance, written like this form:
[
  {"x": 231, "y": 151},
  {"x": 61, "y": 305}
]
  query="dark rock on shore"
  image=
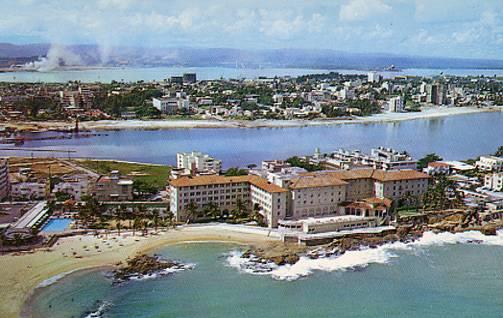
[{"x": 145, "y": 265}]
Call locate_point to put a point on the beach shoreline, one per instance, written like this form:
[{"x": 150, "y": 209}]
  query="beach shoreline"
[
  {"x": 108, "y": 125},
  {"x": 23, "y": 274}
]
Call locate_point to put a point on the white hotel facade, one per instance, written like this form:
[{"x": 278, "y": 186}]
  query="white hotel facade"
[{"x": 361, "y": 192}]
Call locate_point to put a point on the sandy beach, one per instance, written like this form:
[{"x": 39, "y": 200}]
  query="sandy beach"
[
  {"x": 103, "y": 125},
  {"x": 23, "y": 273}
]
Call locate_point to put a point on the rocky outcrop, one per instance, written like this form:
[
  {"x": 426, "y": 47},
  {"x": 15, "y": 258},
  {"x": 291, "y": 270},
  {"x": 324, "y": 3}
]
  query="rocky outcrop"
[
  {"x": 488, "y": 229},
  {"x": 144, "y": 265},
  {"x": 279, "y": 258}
]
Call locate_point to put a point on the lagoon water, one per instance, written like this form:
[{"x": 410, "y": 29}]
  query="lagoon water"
[
  {"x": 455, "y": 137},
  {"x": 132, "y": 74},
  {"x": 460, "y": 280}
]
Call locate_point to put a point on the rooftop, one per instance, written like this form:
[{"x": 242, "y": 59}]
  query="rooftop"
[
  {"x": 310, "y": 181},
  {"x": 375, "y": 174},
  {"x": 217, "y": 179}
]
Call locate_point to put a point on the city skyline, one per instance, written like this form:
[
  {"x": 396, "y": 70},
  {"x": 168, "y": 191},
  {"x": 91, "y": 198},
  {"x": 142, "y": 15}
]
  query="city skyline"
[{"x": 465, "y": 29}]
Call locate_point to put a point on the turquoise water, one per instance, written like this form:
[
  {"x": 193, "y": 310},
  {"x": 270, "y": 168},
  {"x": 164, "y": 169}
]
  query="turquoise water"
[
  {"x": 460, "y": 280},
  {"x": 455, "y": 137},
  {"x": 57, "y": 225}
]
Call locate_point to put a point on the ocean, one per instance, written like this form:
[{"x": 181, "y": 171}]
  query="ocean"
[{"x": 441, "y": 275}]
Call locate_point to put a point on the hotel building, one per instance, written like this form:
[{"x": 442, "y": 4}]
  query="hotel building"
[
  {"x": 364, "y": 192},
  {"x": 225, "y": 192}
]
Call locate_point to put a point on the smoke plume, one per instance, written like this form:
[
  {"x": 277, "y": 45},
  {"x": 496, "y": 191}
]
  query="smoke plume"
[{"x": 58, "y": 56}]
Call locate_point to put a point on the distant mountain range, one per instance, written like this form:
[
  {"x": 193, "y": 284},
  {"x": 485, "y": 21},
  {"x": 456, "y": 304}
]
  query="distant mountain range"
[{"x": 91, "y": 55}]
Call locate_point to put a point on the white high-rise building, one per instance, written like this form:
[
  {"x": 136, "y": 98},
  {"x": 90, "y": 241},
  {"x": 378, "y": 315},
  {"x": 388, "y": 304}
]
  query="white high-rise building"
[
  {"x": 197, "y": 161},
  {"x": 373, "y": 77},
  {"x": 346, "y": 93},
  {"x": 4, "y": 179},
  {"x": 395, "y": 104},
  {"x": 494, "y": 181}
]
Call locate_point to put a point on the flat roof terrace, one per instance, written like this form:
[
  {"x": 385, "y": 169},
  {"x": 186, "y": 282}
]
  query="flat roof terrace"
[{"x": 33, "y": 216}]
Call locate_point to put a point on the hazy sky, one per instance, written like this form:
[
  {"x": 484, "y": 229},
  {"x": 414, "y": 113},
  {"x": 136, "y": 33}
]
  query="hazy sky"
[{"x": 460, "y": 28}]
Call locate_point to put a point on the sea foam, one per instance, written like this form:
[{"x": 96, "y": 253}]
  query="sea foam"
[
  {"x": 362, "y": 258},
  {"x": 54, "y": 279},
  {"x": 163, "y": 272},
  {"x": 102, "y": 309}
]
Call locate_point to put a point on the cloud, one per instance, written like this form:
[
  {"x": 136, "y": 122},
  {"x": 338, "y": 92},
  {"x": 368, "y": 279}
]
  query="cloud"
[
  {"x": 156, "y": 21},
  {"x": 115, "y": 4},
  {"x": 379, "y": 32},
  {"x": 358, "y": 10},
  {"x": 464, "y": 28},
  {"x": 279, "y": 25}
]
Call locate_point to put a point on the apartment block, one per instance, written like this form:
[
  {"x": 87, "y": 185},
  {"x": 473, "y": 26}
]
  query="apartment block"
[
  {"x": 28, "y": 190},
  {"x": 113, "y": 188},
  {"x": 494, "y": 182},
  {"x": 197, "y": 162}
]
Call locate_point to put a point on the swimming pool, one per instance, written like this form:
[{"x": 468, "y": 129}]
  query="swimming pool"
[{"x": 57, "y": 225}]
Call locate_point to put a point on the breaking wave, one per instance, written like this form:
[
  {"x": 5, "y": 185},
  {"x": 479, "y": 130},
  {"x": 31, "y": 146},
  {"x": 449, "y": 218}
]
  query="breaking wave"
[
  {"x": 163, "y": 272},
  {"x": 54, "y": 279},
  {"x": 352, "y": 260},
  {"x": 98, "y": 313}
]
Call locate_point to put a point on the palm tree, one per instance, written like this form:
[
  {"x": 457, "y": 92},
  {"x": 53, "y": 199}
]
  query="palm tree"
[
  {"x": 171, "y": 219},
  {"x": 191, "y": 211},
  {"x": 241, "y": 209},
  {"x": 211, "y": 210},
  {"x": 439, "y": 195},
  {"x": 136, "y": 224},
  {"x": 120, "y": 214},
  {"x": 88, "y": 211},
  {"x": 155, "y": 218}
]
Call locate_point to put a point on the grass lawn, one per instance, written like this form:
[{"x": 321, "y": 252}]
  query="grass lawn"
[
  {"x": 408, "y": 212},
  {"x": 155, "y": 175}
]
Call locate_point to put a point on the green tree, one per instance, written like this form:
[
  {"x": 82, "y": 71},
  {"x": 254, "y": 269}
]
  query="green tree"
[
  {"x": 442, "y": 195},
  {"x": 297, "y": 162},
  {"x": 90, "y": 210},
  {"x": 431, "y": 157},
  {"x": 155, "y": 218},
  {"x": 234, "y": 172},
  {"x": 191, "y": 211},
  {"x": 241, "y": 209}
]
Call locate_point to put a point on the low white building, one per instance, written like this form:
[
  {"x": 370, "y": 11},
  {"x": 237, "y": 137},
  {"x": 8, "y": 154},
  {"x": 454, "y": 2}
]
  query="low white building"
[
  {"x": 165, "y": 105},
  {"x": 437, "y": 168},
  {"x": 75, "y": 186},
  {"x": 28, "y": 190},
  {"x": 490, "y": 163}
]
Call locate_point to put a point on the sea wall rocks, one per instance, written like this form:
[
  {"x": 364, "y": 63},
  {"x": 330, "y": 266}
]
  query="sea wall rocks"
[{"x": 142, "y": 266}]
